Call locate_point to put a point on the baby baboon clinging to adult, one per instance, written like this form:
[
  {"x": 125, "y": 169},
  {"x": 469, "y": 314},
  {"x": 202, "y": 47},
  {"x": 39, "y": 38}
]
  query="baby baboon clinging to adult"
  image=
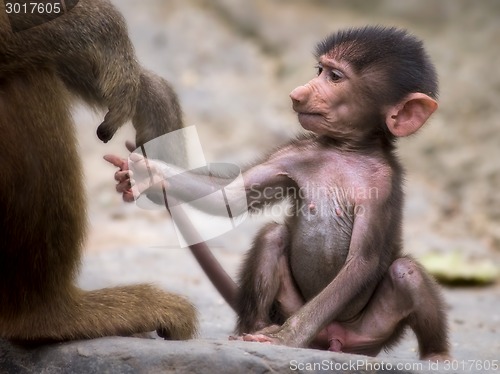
[{"x": 42, "y": 206}]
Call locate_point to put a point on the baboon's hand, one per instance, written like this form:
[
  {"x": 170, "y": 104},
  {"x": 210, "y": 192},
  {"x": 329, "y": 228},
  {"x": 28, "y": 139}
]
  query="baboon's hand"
[
  {"x": 278, "y": 335},
  {"x": 105, "y": 132},
  {"x": 146, "y": 175}
]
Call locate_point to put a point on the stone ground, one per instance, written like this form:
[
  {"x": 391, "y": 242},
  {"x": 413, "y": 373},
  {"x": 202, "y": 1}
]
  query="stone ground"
[
  {"x": 233, "y": 64},
  {"x": 474, "y": 326}
]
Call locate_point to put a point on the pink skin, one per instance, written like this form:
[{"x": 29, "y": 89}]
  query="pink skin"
[
  {"x": 122, "y": 177},
  {"x": 126, "y": 185},
  {"x": 326, "y": 105}
]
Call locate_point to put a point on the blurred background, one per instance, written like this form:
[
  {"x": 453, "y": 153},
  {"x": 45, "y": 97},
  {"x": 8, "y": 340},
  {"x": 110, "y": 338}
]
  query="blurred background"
[{"x": 233, "y": 64}]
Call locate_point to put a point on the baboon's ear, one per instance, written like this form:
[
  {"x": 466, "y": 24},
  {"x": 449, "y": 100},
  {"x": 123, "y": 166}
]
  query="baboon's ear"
[{"x": 407, "y": 116}]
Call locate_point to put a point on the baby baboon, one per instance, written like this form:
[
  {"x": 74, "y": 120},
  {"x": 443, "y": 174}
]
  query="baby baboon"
[
  {"x": 333, "y": 275},
  {"x": 42, "y": 206}
]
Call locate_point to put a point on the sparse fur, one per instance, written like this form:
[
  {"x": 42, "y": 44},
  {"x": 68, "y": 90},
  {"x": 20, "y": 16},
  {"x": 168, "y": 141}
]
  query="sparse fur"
[
  {"x": 367, "y": 293},
  {"x": 333, "y": 276},
  {"x": 384, "y": 55}
]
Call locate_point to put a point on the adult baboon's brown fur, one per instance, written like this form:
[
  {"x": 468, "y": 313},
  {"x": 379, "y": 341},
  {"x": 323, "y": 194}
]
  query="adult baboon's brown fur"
[{"x": 42, "y": 204}]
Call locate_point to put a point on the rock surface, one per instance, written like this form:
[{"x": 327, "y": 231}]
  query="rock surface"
[
  {"x": 134, "y": 355},
  {"x": 474, "y": 335}
]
